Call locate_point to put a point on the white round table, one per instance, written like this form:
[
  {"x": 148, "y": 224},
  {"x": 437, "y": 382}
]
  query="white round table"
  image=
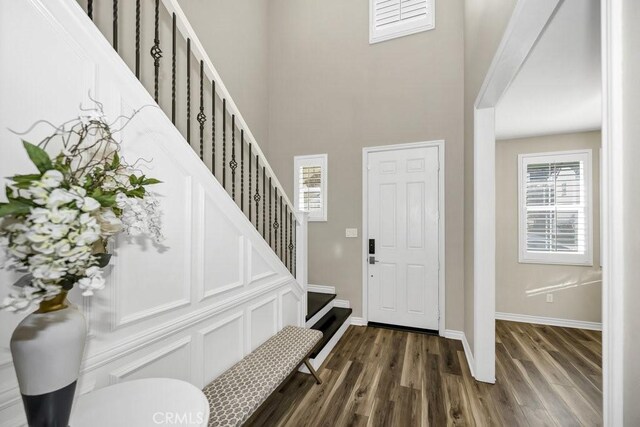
[{"x": 140, "y": 403}]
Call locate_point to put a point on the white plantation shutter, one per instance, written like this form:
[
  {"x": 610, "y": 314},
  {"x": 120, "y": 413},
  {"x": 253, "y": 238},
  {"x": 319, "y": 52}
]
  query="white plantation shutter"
[
  {"x": 555, "y": 208},
  {"x": 397, "y": 18},
  {"x": 310, "y": 180}
]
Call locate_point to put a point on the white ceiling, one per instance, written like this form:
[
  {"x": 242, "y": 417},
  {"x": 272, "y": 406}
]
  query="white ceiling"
[{"x": 558, "y": 89}]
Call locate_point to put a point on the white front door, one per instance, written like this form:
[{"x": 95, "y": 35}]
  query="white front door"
[{"x": 403, "y": 216}]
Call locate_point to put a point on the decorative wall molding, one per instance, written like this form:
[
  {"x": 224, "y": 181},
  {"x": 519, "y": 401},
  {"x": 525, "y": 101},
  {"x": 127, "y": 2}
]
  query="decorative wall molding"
[
  {"x": 250, "y": 343},
  {"x": 550, "y": 321},
  {"x": 321, "y": 289},
  {"x": 202, "y": 334},
  {"x": 130, "y": 368}
]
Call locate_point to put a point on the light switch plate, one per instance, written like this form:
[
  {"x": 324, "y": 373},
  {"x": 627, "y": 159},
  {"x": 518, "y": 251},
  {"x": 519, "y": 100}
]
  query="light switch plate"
[{"x": 351, "y": 232}]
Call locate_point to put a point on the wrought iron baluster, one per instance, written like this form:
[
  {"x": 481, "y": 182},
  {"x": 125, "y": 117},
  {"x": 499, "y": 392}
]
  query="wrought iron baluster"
[
  {"x": 257, "y": 195},
  {"x": 233, "y": 164},
  {"x": 213, "y": 127},
  {"x": 202, "y": 118},
  {"x": 156, "y": 52},
  {"x": 242, "y": 170},
  {"x": 189, "y": 91},
  {"x": 115, "y": 25},
  {"x": 295, "y": 239},
  {"x": 250, "y": 159},
  {"x": 275, "y": 222},
  {"x": 286, "y": 233},
  {"x": 270, "y": 223},
  {"x": 281, "y": 228},
  {"x": 138, "y": 39},
  {"x": 291, "y": 242},
  {"x": 90, "y": 9},
  {"x": 224, "y": 144},
  {"x": 264, "y": 202},
  {"x": 173, "y": 69}
]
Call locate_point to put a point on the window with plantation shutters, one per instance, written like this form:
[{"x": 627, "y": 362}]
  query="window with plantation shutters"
[
  {"x": 389, "y": 19},
  {"x": 555, "y": 208},
  {"x": 310, "y": 183}
]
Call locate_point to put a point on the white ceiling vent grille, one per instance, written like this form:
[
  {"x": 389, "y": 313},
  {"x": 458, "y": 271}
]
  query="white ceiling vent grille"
[{"x": 396, "y": 18}]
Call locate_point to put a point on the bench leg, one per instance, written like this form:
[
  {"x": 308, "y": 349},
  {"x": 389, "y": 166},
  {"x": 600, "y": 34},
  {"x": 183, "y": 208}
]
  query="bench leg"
[{"x": 313, "y": 371}]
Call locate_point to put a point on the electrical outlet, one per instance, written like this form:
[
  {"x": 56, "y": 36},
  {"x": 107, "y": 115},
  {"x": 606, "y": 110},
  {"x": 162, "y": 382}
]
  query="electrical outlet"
[
  {"x": 351, "y": 232},
  {"x": 549, "y": 297}
]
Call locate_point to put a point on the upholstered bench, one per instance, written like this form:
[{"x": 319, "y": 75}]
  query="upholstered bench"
[{"x": 236, "y": 394}]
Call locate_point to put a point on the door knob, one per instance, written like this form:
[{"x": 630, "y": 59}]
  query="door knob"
[{"x": 373, "y": 260}]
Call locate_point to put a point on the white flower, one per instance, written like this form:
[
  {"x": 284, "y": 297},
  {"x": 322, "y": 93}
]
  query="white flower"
[
  {"x": 90, "y": 204},
  {"x": 59, "y": 197},
  {"x": 52, "y": 179},
  {"x": 39, "y": 215},
  {"x": 63, "y": 216},
  {"x": 93, "y": 282},
  {"x": 39, "y": 195},
  {"x": 122, "y": 200}
]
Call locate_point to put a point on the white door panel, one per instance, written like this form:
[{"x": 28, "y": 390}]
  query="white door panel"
[{"x": 403, "y": 219}]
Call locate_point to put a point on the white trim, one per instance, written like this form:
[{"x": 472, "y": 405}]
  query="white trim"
[
  {"x": 321, "y": 289},
  {"x": 319, "y": 315},
  {"x": 441, "y": 229},
  {"x": 550, "y": 321},
  {"x": 460, "y": 336},
  {"x": 314, "y": 160},
  {"x": 320, "y": 358},
  {"x": 341, "y": 303},
  {"x": 558, "y": 258},
  {"x": 358, "y": 321},
  {"x": 527, "y": 22},
  {"x": 612, "y": 198}
]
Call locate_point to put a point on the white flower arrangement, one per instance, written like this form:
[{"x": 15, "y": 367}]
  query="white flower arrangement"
[{"x": 56, "y": 223}]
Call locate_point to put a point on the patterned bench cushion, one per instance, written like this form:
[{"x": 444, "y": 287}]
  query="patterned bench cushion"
[{"x": 239, "y": 391}]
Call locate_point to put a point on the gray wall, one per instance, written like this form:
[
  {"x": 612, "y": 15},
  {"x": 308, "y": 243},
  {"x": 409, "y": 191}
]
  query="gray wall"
[
  {"x": 576, "y": 300},
  {"x": 235, "y": 35},
  {"x": 484, "y": 25},
  {"x": 331, "y": 92},
  {"x": 631, "y": 138}
]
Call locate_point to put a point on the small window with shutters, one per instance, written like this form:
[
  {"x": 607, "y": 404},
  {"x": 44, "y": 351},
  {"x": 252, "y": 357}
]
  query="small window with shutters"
[
  {"x": 389, "y": 19},
  {"x": 555, "y": 208},
  {"x": 310, "y": 183}
]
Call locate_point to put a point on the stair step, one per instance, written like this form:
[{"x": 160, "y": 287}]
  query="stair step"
[
  {"x": 316, "y": 302},
  {"x": 329, "y": 325}
]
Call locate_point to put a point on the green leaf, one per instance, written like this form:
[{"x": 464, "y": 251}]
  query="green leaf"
[
  {"x": 116, "y": 161},
  {"x": 15, "y": 207},
  {"x": 136, "y": 192},
  {"x": 26, "y": 178},
  {"x": 106, "y": 200},
  {"x": 151, "y": 181},
  {"x": 38, "y": 156}
]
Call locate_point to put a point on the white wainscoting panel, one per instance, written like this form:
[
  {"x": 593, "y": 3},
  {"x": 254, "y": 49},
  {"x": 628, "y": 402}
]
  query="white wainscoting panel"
[
  {"x": 263, "y": 322},
  {"x": 167, "y": 362},
  {"x": 226, "y": 334},
  {"x": 188, "y": 308}
]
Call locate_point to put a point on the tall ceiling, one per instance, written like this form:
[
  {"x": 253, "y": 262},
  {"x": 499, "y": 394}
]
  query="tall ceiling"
[{"x": 558, "y": 89}]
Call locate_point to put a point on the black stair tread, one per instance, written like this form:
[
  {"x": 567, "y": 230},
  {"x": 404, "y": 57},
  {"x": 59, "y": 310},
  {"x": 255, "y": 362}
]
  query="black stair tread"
[
  {"x": 329, "y": 325},
  {"x": 316, "y": 302}
]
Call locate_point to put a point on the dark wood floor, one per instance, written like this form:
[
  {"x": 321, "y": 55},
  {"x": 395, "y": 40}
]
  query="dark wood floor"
[{"x": 544, "y": 376}]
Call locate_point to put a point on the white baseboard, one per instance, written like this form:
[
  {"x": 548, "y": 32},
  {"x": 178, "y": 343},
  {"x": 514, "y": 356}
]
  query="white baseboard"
[
  {"x": 551, "y": 321},
  {"x": 342, "y": 303},
  {"x": 358, "y": 321},
  {"x": 460, "y": 336},
  {"x": 321, "y": 289}
]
